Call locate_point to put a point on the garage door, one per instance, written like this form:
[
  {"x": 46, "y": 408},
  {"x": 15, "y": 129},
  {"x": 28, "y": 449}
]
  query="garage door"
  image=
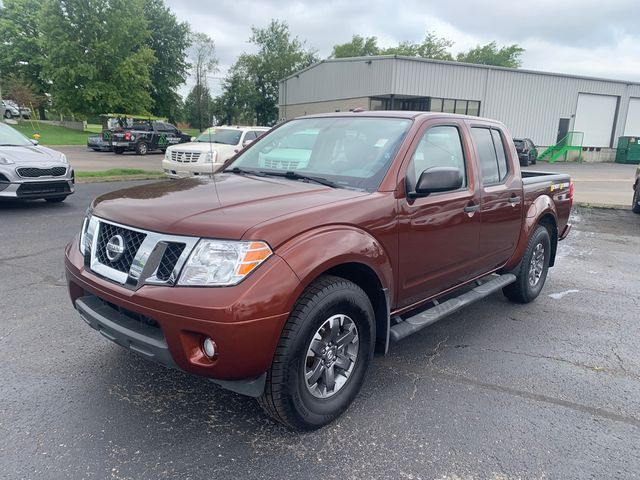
[
  {"x": 632, "y": 126},
  {"x": 595, "y": 116}
]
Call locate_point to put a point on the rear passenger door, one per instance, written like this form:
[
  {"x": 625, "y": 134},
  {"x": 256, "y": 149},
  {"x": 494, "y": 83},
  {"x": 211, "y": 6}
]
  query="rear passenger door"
[{"x": 501, "y": 197}]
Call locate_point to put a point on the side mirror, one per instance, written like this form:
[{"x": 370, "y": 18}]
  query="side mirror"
[
  {"x": 246, "y": 142},
  {"x": 438, "y": 179},
  {"x": 34, "y": 141}
]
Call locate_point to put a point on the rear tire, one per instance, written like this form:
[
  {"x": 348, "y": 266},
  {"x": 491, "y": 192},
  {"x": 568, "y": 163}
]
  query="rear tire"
[
  {"x": 7, "y": 114},
  {"x": 320, "y": 363},
  {"x": 635, "y": 206},
  {"x": 56, "y": 199},
  {"x": 533, "y": 268},
  {"x": 118, "y": 150},
  {"x": 142, "y": 148}
]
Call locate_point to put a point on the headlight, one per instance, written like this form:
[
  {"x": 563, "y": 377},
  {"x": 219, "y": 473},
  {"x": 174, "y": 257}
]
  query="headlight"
[
  {"x": 6, "y": 161},
  {"x": 167, "y": 154},
  {"x": 89, "y": 227},
  {"x": 209, "y": 157},
  {"x": 63, "y": 158},
  {"x": 222, "y": 262}
]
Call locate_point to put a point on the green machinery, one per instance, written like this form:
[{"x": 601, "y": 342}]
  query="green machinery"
[
  {"x": 571, "y": 142},
  {"x": 628, "y": 150}
]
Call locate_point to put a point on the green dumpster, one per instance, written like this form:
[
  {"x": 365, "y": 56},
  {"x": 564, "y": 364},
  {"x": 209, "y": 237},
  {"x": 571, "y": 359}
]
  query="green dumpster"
[{"x": 628, "y": 150}]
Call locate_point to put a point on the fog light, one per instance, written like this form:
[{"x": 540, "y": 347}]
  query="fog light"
[{"x": 209, "y": 348}]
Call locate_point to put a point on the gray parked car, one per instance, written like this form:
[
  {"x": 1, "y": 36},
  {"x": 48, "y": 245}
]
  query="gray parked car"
[{"x": 30, "y": 171}]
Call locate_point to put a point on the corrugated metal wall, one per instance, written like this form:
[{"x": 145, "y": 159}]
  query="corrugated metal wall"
[{"x": 529, "y": 103}]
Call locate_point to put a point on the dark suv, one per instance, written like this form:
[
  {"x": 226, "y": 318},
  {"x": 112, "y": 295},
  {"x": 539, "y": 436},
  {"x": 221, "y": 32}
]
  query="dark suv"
[{"x": 527, "y": 151}]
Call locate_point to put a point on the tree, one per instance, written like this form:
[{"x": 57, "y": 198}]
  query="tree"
[
  {"x": 279, "y": 55},
  {"x": 169, "y": 39},
  {"x": 204, "y": 63},
  {"x": 22, "y": 53},
  {"x": 433, "y": 46},
  {"x": 236, "y": 104},
  {"x": 358, "y": 47},
  {"x": 490, "y": 54},
  {"x": 97, "y": 55},
  {"x": 199, "y": 106},
  {"x": 19, "y": 91}
]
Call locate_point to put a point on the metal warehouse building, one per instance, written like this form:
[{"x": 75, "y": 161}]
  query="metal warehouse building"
[{"x": 537, "y": 105}]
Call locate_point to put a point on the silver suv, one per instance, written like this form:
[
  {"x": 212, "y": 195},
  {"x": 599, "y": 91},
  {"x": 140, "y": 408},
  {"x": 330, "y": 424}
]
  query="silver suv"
[{"x": 30, "y": 171}]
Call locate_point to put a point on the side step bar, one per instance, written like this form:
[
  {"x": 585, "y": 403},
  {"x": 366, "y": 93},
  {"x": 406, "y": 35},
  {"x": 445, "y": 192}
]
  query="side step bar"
[{"x": 404, "y": 328}]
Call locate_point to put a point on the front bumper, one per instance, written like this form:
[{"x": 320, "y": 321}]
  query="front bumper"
[
  {"x": 12, "y": 186},
  {"x": 168, "y": 324},
  {"x": 195, "y": 169}
]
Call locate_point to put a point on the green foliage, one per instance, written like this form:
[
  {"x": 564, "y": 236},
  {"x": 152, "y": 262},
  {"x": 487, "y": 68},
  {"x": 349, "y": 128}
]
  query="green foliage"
[
  {"x": 199, "y": 104},
  {"x": 433, "y": 46},
  {"x": 490, "y": 54},
  {"x": 358, "y": 47},
  {"x": 279, "y": 55},
  {"x": 169, "y": 39},
  {"x": 199, "y": 107},
  {"x": 98, "y": 59},
  {"x": 22, "y": 54}
]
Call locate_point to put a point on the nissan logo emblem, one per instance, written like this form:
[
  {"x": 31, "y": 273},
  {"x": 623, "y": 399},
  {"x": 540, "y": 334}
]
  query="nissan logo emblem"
[{"x": 115, "y": 248}]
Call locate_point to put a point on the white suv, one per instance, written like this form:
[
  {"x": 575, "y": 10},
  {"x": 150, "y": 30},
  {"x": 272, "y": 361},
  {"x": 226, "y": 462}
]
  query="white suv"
[{"x": 206, "y": 154}]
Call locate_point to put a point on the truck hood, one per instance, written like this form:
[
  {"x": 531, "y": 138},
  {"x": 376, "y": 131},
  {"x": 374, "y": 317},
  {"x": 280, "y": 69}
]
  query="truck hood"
[
  {"x": 225, "y": 207},
  {"x": 31, "y": 154}
]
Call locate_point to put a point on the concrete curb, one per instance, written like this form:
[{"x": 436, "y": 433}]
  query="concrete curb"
[{"x": 601, "y": 205}]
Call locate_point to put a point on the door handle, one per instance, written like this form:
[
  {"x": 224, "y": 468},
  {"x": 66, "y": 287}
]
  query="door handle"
[
  {"x": 514, "y": 200},
  {"x": 471, "y": 208}
]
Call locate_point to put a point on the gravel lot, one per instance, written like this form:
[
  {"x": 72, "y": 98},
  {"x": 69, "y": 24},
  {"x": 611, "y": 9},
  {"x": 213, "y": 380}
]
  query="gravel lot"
[{"x": 545, "y": 390}]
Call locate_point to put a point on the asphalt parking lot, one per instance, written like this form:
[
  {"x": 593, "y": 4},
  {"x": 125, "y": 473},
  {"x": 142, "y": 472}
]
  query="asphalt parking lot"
[{"x": 497, "y": 391}]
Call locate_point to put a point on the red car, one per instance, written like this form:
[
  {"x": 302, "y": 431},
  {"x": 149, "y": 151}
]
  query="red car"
[{"x": 282, "y": 275}]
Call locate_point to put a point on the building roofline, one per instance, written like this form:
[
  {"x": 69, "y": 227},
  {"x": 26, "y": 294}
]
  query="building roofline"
[{"x": 457, "y": 64}]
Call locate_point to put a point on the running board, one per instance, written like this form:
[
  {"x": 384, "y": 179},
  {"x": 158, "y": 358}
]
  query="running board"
[{"x": 406, "y": 327}]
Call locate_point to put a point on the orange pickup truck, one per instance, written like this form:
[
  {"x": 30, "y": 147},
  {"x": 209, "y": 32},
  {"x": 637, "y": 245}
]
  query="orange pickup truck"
[{"x": 282, "y": 275}]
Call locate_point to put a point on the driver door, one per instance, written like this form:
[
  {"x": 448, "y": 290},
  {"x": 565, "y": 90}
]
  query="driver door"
[{"x": 439, "y": 232}]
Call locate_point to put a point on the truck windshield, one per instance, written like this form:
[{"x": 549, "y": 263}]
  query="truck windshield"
[
  {"x": 350, "y": 152},
  {"x": 225, "y": 136},
  {"x": 9, "y": 137}
]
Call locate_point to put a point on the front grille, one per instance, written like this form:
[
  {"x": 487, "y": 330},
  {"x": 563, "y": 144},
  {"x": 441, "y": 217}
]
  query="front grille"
[
  {"x": 282, "y": 164},
  {"x": 169, "y": 260},
  {"x": 132, "y": 241},
  {"x": 184, "y": 157},
  {"x": 42, "y": 188},
  {"x": 30, "y": 172}
]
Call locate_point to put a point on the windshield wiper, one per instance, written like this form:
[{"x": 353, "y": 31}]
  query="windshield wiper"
[
  {"x": 299, "y": 176},
  {"x": 242, "y": 171}
]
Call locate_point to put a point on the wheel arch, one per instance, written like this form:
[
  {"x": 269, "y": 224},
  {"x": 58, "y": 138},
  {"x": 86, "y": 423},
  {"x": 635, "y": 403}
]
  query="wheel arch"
[{"x": 348, "y": 253}]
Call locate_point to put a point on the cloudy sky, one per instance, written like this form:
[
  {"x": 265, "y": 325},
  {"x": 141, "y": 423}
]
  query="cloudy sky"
[{"x": 585, "y": 37}]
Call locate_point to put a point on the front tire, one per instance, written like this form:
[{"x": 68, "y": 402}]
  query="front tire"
[
  {"x": 533, "y": 269},
  {"x": 635, "y": 206},
  {"x": 322, "y": 356},
  {"x": 7, "y": 114}
]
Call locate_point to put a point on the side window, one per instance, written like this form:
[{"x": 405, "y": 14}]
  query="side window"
[
  {"x": 487, "y": 153},
  {"x": 503, "y": 166},
  {"x": 249, "y": 136},
  {"x": 439, "y": 147}
]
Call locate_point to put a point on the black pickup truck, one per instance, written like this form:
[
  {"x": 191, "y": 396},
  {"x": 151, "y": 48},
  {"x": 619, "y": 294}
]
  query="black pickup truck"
[{"x": 145, "y": 136}]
